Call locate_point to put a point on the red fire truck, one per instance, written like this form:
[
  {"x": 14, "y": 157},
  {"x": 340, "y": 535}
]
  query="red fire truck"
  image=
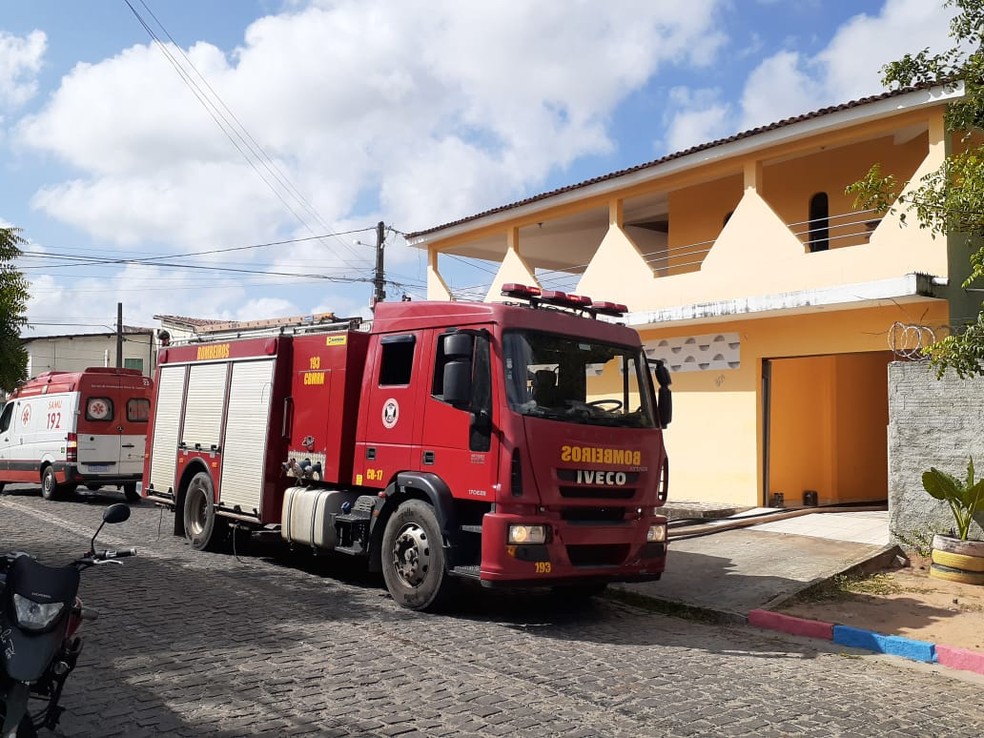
[{"x": 518, "y": 444}]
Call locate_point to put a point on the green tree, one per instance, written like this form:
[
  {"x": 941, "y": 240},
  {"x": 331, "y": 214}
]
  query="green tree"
[
  {"x": 951, "y": 199},
  {"x": 13, "y": 306}
]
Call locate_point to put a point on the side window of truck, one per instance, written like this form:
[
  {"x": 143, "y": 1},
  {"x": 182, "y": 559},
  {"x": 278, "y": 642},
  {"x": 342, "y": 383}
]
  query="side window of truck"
[
  {"x": 138, "y": 409},
  {"x": 396, "y": 364},
  {"x": 8, "y": 413}
]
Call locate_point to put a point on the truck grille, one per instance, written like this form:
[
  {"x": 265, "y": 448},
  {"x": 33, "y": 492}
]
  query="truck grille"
[
  {"x": 593, "y": 514},
  {"x": 598, "y": 493},
  {"x": 611, "y": 554}
]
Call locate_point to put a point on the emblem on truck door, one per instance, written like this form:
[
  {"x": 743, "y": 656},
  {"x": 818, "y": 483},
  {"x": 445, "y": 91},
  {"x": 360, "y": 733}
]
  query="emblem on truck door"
[{"x": 391, "y": 413}]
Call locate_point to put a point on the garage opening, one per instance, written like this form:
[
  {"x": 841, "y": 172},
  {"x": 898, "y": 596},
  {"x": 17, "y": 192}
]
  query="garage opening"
[{"x": 826, "y": 429}]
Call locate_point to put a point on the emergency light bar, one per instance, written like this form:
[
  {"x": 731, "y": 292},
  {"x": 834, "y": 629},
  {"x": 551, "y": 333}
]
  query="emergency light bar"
[{"x": 536, "y": 297}]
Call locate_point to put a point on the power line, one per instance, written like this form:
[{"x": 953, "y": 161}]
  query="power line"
[{"x": 214, "y": 106}]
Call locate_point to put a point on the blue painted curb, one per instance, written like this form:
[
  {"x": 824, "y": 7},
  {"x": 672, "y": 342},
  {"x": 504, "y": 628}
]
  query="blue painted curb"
[{"x": 907, "y": 648}]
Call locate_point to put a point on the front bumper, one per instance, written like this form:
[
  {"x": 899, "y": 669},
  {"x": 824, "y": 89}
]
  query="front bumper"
[{"x": 574, "y": 552}]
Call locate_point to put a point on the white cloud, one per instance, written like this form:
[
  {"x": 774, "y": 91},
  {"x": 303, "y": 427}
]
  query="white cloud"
[
  {"x": 416, "y": 112},
  {"x": 361, "y": 97},
  {"x": 20, "y": 62},
  {"x": 850, "y": 66},
  {"x": 789, "y": 83},
  {"x": 778, "y": 88},
  {"x": 699, "y": 116}
]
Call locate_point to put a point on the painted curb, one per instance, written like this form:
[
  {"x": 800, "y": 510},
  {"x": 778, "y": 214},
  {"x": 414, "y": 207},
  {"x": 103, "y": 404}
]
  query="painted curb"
[
  {"x": 960, "y": 658},
  {"x": 907, "y": 648},
  {"x": 790, "y": 624},
  {"x": 844, "y": 635}
]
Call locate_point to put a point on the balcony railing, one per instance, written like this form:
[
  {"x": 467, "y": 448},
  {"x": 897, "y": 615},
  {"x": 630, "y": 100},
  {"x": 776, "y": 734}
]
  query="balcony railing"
[{"x": 840, "y": 230}]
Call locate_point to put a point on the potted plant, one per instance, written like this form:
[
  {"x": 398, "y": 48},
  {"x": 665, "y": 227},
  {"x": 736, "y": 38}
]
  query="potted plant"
[{"x": 957, "y": 557}]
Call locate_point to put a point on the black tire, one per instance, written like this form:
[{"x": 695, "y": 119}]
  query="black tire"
[
  {"x": 202, "y": 526},
  {"x": 93, "y": 486},
  {"x": 130, "y": 492},
  {"x": 413, "y": 561},
  {"x": 49, "y": 484},
  {"x": 1, "y": 486}
]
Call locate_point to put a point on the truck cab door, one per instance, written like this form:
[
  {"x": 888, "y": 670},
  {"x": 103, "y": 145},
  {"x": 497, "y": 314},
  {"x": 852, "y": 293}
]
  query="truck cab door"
[
  {"x": 386, "y": 447},
  {"x": 457, "y": 439}
]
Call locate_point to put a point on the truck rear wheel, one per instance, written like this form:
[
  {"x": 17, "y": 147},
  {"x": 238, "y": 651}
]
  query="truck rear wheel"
[
  {"x": 413, "y": 557},
  {"x": 202, "y": 527}
]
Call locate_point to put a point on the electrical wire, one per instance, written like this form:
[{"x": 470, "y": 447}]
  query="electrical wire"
[{"x": 246, "y": 145}]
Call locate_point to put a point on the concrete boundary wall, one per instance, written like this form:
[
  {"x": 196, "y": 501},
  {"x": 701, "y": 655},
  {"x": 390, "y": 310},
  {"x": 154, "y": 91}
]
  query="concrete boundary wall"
[{"x": 931, "y": 422}]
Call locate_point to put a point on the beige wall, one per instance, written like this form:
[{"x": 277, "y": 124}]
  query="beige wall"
[{"x": 716, "y": 439}]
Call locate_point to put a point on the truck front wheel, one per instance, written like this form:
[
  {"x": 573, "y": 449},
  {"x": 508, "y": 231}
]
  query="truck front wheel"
[
  {"x": 201, "y": 525},
  {"x": 413, "y": 557}
]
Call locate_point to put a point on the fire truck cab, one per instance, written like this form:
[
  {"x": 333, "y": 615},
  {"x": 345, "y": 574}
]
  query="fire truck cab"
[{"x": 515, "y": 444}]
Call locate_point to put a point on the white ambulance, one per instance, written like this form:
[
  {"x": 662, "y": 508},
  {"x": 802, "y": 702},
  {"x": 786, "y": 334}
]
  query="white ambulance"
[{"x": 63, "y": 429}]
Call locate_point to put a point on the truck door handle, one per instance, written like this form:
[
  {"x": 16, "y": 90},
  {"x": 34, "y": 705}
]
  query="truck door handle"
[
  {"x": 428, "y": 457},
  {"x": 127, "y": 445}
]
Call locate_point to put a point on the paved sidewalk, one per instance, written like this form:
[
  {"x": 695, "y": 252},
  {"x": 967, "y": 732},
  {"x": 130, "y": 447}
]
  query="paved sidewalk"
[
  {"x": 742, "y": 575},
  {"x": 733, "y": 572}
]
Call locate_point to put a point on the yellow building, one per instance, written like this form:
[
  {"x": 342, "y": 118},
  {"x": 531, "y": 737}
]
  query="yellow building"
[{"x": 745, "y": 266}]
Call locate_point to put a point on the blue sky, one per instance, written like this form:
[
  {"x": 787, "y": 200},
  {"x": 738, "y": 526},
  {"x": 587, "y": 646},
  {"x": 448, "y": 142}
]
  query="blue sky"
[{"x": 337, "y": 114}]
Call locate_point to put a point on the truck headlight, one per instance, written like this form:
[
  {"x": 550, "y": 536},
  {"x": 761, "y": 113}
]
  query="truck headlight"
[
  {"x": 531, "y": 534},
  {"x": 33, "y": 615},
  {"x": 656, "y": 533}
]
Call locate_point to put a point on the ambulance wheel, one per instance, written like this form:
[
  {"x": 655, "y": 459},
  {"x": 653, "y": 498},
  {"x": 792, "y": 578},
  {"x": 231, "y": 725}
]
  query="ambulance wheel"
[
  {"x": 130, "y": 492},
  {"x": 49, "y": 485},
  {"x": 413, "y": 557},
  {"x": 202, "y": 527}
]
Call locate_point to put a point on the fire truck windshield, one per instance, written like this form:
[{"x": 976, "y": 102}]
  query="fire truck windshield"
[{"x": 576, "y": 380}]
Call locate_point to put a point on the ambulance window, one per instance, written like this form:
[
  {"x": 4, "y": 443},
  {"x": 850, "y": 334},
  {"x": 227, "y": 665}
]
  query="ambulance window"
[
  {"x": 397, "y": 360},
  {"x": 99, "y": 408},
  {"x": 138, "y": 410},
  {"x": 5, "y": 418}
]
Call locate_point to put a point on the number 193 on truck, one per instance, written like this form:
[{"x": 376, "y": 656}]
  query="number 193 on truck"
[{"x": 517, "y": 443}]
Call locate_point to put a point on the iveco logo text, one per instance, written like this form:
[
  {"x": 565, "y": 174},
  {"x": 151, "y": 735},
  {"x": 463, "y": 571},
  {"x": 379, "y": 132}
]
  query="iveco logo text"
[{"x": 608, "y": 478}]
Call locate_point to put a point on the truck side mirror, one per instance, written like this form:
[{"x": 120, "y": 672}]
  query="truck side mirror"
[
  {"x": 458, "y": 383},
  {"x": 458, "y": 348},
  {"x": 458, "y": 345},
  {"x": 664, "y": 396}
]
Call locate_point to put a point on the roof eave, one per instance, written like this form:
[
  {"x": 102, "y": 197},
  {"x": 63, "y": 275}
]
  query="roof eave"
[{"x": 742, "y": 144}]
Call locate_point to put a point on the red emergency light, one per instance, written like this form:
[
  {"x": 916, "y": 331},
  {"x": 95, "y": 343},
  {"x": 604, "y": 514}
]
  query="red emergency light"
[
  {"x": 520, "y": 291},
  {"x": 614, "y": 309},
  {"x": 557, "y": 298}
]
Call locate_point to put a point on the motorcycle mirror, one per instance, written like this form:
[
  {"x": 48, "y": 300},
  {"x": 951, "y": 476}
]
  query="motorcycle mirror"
[
  {"x": 113, "y": 514},
  {"x": 116, "y": 513}
]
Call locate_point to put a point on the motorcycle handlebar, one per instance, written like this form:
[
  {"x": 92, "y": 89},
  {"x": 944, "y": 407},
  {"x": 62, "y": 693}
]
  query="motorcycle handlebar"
[{"x": 115, "y": 553}]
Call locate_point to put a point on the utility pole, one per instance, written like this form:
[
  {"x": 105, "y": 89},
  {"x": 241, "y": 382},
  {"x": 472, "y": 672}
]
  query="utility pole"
[
  {"x": 379, "y": 294},
  {"x": 119, "y": 335}
]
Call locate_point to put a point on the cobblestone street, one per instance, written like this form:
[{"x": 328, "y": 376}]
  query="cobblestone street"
[{"x": 266, "y": 643}]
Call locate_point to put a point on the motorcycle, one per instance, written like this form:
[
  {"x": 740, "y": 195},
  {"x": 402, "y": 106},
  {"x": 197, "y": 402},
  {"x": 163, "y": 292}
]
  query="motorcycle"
[{"x": 40, "y": 615}]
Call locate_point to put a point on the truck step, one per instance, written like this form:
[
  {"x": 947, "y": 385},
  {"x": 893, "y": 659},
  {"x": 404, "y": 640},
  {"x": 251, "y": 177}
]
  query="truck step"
[
  {"x": 471, "y": 529},
  {"x": 468, "y": 572}
]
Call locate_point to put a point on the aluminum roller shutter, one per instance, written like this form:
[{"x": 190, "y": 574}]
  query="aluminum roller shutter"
[
  {"x": 203, "y": 415},
  {"x": 167, "y": 419},
  {"x": 245, "y": 447}
]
